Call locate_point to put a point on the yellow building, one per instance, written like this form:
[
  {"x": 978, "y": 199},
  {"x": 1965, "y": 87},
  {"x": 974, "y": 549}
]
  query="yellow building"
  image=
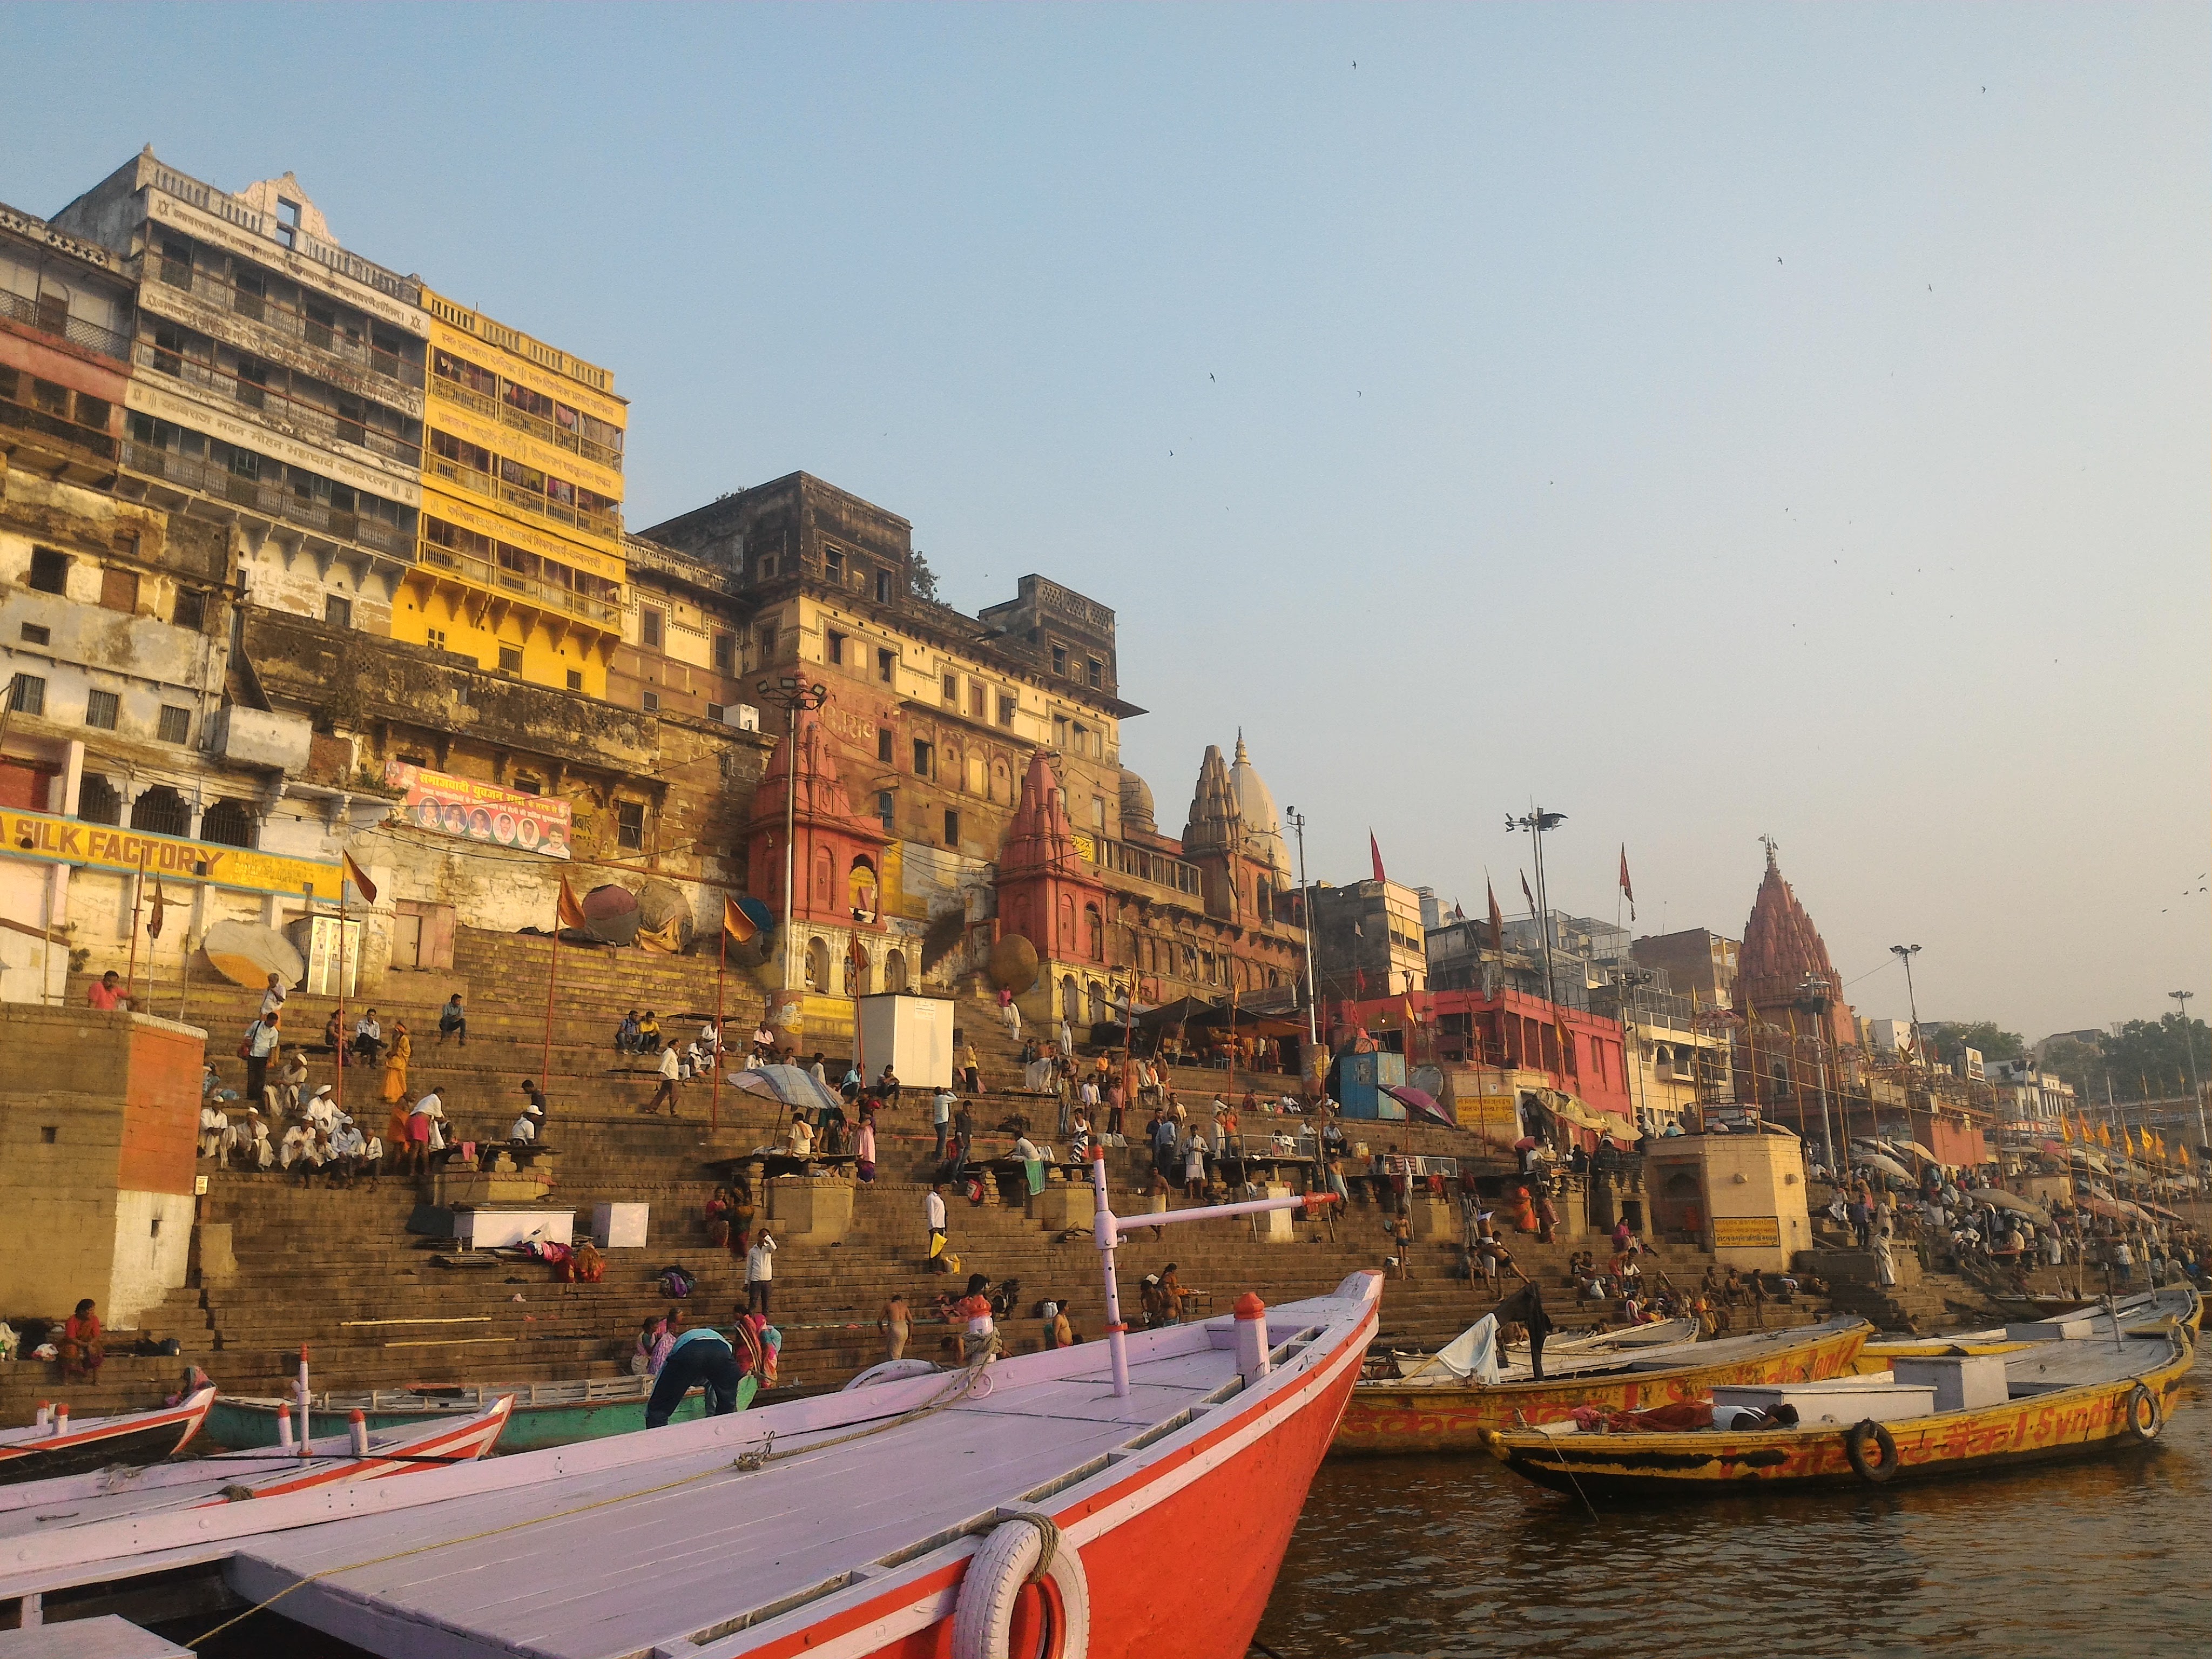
[{"x": 518, "y": 558}]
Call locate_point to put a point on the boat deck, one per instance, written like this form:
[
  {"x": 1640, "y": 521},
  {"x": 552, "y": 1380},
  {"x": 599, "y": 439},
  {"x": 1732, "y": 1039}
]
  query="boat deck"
[{"x": 687, "y": 1544}]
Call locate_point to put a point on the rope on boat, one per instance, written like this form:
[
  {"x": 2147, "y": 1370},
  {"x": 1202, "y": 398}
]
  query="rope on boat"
[{"x": 746, "y": 1463}]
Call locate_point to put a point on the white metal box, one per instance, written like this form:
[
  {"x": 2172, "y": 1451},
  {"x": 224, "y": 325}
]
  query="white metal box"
[
  {"x": 912, "y": 1034},
  {"x": 2050, "y": 1330},
  {"x": 1840, "y": 1399},
  {"x": 488, "y": 1229},
  {"x": 1963, "y": 1383},
  {"x": 619, "y": 1226}
]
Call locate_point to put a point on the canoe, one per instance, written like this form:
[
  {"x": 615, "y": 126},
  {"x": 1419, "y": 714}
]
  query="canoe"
[
  {"x": 2064, "y": 1399},
  {"x": 61, "y": 1446},
  {"x": 545, "y": 1413},
  {"x": 1387, "y": 1418},
  {"x": 1083, "y": 1499},
  {"x": 111, "y": 1493}
]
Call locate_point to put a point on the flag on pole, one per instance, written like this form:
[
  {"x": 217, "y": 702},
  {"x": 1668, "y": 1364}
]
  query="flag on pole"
[
  {"x": 1526, "y": 894},
  {"x": 1497, "y": 919},
  {"x": 1412, "y": 1019},
  {"x": 566, "y": 912},
  {"x": 2065, "y": 1134},
  {"x": 154, "y": 915},
  {"x": 1374, "y": 853},
  {"x": 1625, "y": 887},
  {"x": 359, "y": 877},
  {"x": 736, "y": 923}
]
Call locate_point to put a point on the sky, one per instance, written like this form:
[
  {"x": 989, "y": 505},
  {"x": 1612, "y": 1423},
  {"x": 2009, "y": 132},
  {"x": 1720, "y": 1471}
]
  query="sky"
[{"x": 1704, "y": 422}]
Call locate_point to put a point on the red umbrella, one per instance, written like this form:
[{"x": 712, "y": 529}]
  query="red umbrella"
[{"x": 1419, "y": 1100}]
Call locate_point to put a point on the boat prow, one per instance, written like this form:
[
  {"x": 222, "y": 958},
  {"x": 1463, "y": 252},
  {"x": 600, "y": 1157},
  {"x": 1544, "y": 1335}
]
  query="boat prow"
[{"x": 59, "y": 1447}]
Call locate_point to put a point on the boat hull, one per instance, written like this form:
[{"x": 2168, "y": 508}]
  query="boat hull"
[
  {"x": 97, "y": 1443},
  {"x": 2082, "y": 1422},
  {"x": 245, "y": 1425},
  {"x": 1383, "y": 1420}
]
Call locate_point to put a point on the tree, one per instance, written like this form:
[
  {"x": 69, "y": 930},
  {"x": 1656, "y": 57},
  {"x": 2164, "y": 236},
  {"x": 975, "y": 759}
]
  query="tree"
[
  {"x": 2148, "y": 1060},
  {"x": 921, "y": 578},
  {"x": 2081, "y": 1062},
  {"x": 1953, "y": 1037}
]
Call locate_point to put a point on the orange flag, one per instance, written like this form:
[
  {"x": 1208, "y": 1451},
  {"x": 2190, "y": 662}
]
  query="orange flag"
[
  {"x": 736, "y": 923},
  {"x": 354, "y": 873},
  {"x": 566, "y": 910}
]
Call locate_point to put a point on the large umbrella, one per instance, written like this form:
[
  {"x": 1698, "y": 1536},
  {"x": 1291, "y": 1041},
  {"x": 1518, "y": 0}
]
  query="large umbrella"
[
  {"x": 787, "y": 1085},
  {"x": 1881, "y": 1161},
  {"x": 1420, "y": 1101},
  {"x": 1998, "y": 1197}
]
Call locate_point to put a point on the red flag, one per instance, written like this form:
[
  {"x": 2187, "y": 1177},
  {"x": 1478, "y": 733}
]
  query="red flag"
[
  {"x": 736, "y": 923},
  {"x": 566, "y": 912},
  {"x": 1375, "y": 853},
  {"x": 1526, "y": 894},
  {"x": 1625, "y": 886},
  {"x": 354, "y": 873},
  {"x": 1497, "y": 919}
]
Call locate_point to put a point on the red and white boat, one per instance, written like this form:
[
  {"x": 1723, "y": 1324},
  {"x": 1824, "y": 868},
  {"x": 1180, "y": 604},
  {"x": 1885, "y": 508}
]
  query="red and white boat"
[
  {"x": 129, "y": 1492},
  {"x": 1124, "y": 1498},
  {"x": 55, "y": 1446}
]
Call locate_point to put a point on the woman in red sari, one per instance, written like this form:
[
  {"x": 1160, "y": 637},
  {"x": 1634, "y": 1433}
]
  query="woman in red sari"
[{"x": 81, "y": 1346}]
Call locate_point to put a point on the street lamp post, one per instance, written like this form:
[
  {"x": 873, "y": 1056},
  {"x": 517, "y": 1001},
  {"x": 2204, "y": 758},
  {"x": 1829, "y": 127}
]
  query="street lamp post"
[
  {"x": 1536, "y": 821},
  {"x": 1298, "y": 822},
  {"x": 1815, "y": 991},
  {"x": 2195, "y": 1084},
  {"x": 1905, "y": 953},
  {"x": 791, "y": 695}
]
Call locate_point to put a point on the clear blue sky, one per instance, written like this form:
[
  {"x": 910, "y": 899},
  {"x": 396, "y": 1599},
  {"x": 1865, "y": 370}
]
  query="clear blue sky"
[{"x": 1706, "y": 421}]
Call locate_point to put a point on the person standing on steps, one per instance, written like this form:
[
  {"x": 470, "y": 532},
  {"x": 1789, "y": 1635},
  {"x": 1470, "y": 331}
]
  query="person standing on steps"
[
  {"x": 760, "y": 1273},
  {"x": 932, "y": 1210},
  {"x": 670, "y": 1070},
  {"x": 260, "y": 1044},
  {"x": 896, "y": 1323},
  {"x": 971, "y": 1071},
  {"x": 940, "y": 1117},
  {"x": 964, "y": 1135},
  {"x": 1401, "y": 1237}
]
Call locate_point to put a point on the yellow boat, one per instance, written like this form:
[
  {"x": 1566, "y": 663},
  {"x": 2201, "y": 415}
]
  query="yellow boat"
[
  {"x": 2063, "y": 1397},
  {"x": 2145, "y": 1310},
  {"x": 1399, "y": 1418}
]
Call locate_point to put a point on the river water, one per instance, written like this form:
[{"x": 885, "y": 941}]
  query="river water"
[{"x": 1455, "y": 1557}]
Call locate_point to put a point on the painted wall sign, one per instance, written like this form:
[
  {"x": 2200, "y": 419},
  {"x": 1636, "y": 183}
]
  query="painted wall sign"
[
  {"x": 1746, "y": 1232},
  {"x": 51, "y": 840},
  {"x": 475, "y": 810}
]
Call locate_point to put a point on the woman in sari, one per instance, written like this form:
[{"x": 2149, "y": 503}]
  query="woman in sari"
[
  {"x": 395, "y": 1063},
  {"x": 81, "y": 1349}
]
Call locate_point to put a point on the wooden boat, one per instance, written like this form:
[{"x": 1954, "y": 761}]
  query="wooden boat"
[
  {"x": 1389, "y": 1418},
  {"x": 70, "y": 1500},
  {"x": 1563, "y": 1356},
  {"x": 2069, "y": 1398},
  {"x": 56, "y": 1446},
  {"x": 545, "y": 1413},
  {"x": 1091, "y": 1497},
  {"x": 2176, "y": 1304}
]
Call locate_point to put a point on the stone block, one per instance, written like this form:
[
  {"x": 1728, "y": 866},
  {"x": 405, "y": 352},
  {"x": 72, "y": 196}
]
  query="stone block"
[
  {"x": 1433, "y": 1217},
  {"x": 218, "y": 1258},
  {"x": 810, "y": 1212},
  {"x": 1061, "y": 1207}
]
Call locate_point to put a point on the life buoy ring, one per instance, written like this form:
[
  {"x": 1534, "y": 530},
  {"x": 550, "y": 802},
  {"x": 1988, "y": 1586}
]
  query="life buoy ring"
[
  {"x": 1855, "y": 1448},
  {"x": 2140, "y": 1416},
  {"x": 1026, "y": 1549}
]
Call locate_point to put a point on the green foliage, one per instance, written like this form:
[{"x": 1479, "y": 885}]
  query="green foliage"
[
  {"x": 1952, "y": 1037},
  {"x": 2082, "y": 1063},
  {"x": 922, "y": 577},
  {"x": 2149, "y": 1059}
]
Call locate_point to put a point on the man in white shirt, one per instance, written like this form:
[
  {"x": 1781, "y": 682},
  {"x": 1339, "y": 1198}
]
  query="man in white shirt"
[
  {"x": 299, "y": 1143},
  {"x": 802, "y": 1137},
  {"x": 940, "y": 1116},
  {"x": 932, "y": 1210},
  {"x": 273, "y": 999},
  {"x": 670, "y": 1069},
  {"x": 422, "y": 1129},
  {"x": 251, "y": 1139},
  {"x": 321, "y": 1112},
  {"x": 526, "y": 1125},
  {"x": 215, "y": 1125},
  {"x": 760, "y": 1273}
]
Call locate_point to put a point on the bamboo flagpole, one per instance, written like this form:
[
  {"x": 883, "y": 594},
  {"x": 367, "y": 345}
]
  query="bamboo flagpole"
[
  {"x": 349, "y": 871},
  {"x": 137, "y": 898},
  {"x": 566, "y": 913},
  {"x": 736, "y": 925}
]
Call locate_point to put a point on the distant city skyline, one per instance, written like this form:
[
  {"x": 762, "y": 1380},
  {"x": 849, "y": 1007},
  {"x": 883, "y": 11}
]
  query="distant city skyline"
[{"x": 1707, "y": 422}]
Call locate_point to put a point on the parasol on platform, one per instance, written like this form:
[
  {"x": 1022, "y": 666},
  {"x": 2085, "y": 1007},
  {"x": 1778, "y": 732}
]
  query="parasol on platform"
[
  {"x": 246, "y": 953},
  {"x": 1420, "y": 1101},
  {"x": 787, "y": 1085},
  {"x": 2000, "y": 1199}
]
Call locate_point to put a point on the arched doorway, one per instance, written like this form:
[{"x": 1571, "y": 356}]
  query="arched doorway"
[
  {"x": 160, "y": 812},
  {"x": 861, "y": 890},
  {"x": 818, "y": 965},
  {"x": 1071, "y": 1000},
  {"x": 1094, "y": 933},
  {"x": 230, "y": 822},
  {"x": 97, "y": 801},
  {"x": 1101, "y": 1010},
  {"x": 895, "y": 971}
]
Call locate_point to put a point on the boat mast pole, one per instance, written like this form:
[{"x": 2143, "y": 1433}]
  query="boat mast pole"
[{"x": 1102, "y": 1229}]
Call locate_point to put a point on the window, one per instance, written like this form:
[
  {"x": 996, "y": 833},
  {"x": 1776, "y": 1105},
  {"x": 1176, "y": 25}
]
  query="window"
[
  {"x": 49, "y": 570},
  {"x": 101, "y": 708},
  {"x": 29, "y": 695},
  {"x": 921, "y": 757},
  {"x": 435, "y": 638},
  {"x": 886, "y": 804},
  {"x": 883, "y": 745},
  {"x": 952, "y": 827},
  {"x": 230, "y": 822},
  {"x": 51, "y": 397},
  {"x": 886, "y": 662},
  {"x": 253, "y": 383},
  {"x": 1007, "y": 703},
  {"x": 1082, "y": 738},
  {"x": 1059, "y": 732},
  {"x": 952, "y": 690},
  {"x": 176, "y": 262},
  {"x": 1060, "y": 660},
  {"x": 883, "y": 587},
  {"x": 833, "y": 646},
  {"x": 288, "y": 221},
  {"x": 190, "y": 610},
  {"x": 650, "y": 626},
  {"x": 37, "y": 634},
  {"x": 767, "y": 566},
  {"x": 833, "y": 566},
  {"x": 510, "y": 660},
  {"x": 527, "y": 784},
  {"x": 176, "y": 726},
  {"x": 1097, "y": 673},
  {"x": 652, "y": 702},
  {"x": 1098, "y": 812},
  {"x": 976, "y": 699},
  {"x": 575, "y": 679},
  {"x": 118, "y": 590},
  {"x": 162, "y": 812},
  {"x": 726, "y": 652},
  {"x": 97, "y": 801},
  {"x": 92, "y": 412},
  {"x": 767, "y": 643},
  {"x": 337, "y": 610},
  {"x": 630, "y": 825}
]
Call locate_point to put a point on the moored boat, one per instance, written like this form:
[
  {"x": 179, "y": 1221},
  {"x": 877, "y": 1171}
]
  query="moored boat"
[
  {"x": 1396, "y": 1419},
  {"x": 59, "y": 1446},
  {"x": 545, "y": 1413},
  {"x": 1950, "y": 1414},
  {"x": 2178, "y": 1306}
]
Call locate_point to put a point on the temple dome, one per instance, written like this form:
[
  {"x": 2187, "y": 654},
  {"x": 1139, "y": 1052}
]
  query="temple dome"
[
  {"x": 1137, "y": 803},
  {"x": 1255, "y": 806}
]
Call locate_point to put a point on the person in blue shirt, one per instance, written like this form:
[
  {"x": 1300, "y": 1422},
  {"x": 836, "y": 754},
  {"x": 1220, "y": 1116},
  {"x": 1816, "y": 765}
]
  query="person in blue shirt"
[{"x": 700, "y": 1355}]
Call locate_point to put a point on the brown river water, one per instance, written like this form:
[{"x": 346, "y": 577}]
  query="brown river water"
[{"x": 1455, "y": 1557}]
